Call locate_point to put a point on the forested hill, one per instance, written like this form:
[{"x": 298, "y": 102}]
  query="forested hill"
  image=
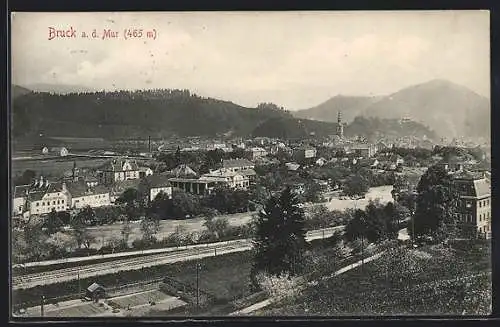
[
  {"x": 119, "y": 114},
  {"x": 373, "y": 128},
  {"x": 162, "y": 113}
]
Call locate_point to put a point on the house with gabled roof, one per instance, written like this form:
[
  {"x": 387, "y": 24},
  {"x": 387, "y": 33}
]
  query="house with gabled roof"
[
  {"x": 42, "y": 196},
  {"x": 153, "y": 185},
  {"x": 81, "y": 194},
  {"x": 118, "y": 170}
]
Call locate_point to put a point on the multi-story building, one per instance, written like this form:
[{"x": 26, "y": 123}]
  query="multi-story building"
[
  {"x": 41, "y": 197},
  {"x": 118, "y": 170},
  {"x": 304, "y": 153},
  {"x": 256, "y": 153},
  {"x": 364, "y": 150},
  {"x": 237, "y": 164},
  {"x": 82, "y": 194},
  {"x": 474, "y": 209}
]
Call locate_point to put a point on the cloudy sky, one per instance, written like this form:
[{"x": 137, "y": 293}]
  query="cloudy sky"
[{"x": 294, "y": 59}]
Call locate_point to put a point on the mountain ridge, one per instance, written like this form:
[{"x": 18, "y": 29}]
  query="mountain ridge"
[{"x": 448, "y": 108}]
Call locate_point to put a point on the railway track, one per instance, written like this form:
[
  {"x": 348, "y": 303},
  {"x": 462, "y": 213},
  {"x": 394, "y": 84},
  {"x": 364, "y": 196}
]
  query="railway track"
[{"x": 66, "y": 274}]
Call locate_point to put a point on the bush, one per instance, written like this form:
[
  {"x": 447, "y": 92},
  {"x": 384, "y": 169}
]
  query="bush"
[{"x": 279, "y": 288}]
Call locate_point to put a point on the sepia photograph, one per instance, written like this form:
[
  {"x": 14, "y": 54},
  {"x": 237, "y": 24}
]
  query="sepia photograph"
[{"x": 250, "y": 164}]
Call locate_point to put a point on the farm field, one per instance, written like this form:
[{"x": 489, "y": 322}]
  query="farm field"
[{"x": 54, "y": 167}]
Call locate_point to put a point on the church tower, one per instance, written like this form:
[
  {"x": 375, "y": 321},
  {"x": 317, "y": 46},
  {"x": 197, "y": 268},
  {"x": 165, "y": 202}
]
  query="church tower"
[{"x": 340, "y": 126}]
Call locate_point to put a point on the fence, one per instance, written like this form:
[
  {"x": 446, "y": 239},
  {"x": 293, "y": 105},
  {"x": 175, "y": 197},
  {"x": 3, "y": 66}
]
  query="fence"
[
  {"x": 186, "y": 292},
  {"x": 146, "y": 285}
]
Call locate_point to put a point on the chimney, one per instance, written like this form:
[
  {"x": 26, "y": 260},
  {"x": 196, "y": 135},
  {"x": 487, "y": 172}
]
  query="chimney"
[
  {"x": 46, "y": 182},
  {"x": 64, "y": 189},
  {"x": 41, "y": 182}
]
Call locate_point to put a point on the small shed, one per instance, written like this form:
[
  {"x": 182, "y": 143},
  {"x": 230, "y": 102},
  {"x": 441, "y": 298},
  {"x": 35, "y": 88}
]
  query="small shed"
[{"x": 95, "y": 292}]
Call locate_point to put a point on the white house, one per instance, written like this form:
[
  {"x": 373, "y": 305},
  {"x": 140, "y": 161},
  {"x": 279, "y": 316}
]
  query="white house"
[
  {"x": 44, "y": 196},
  {"x": 45, "y": 150},
  {"x": 80, "y": 195},
  {"x": 237, "y": 164},
  {"x": 152, "y": 185},
  {"x": 228, "y": 178},
  {"x": 145, "y": 171}
]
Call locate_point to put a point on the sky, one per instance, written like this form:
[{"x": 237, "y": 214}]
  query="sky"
[{"x": 294, "y": 59}]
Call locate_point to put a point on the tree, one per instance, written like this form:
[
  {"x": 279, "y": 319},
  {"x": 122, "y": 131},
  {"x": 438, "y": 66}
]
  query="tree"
[
  {"x": 33, "y": 240},
  {"x": 356, "y": 185},
  {"x": 83, "y": 218},
  {"x": 149, "y": 228},
  {"x": 312, "y": 192},
  {"x": 280, "y": 236},
  {"x": 184, "y": 204},
  {"x": 161, "y": 206},
  {"x": 436, "y": 205},
  {"x": 53, "y": 222},
  {"x": 125, "y": 232},
  {"x": 217, "y": 227},
  {"x": 134, "y": 203},
  {"x": 177, "y": 158},
  {"x": 61, "y": 243}
]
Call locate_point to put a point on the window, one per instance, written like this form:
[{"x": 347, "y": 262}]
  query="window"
[
  {"x": 37, "y": 204},
  {"x": 43, "y": 203},
  {"x": 20, "y": 208},
  {"x": 480, "y": 204},
  {"x": 62, "y": 201},
  {"x": 54, "y": 202},
  {"x": 58, "y": 201}
]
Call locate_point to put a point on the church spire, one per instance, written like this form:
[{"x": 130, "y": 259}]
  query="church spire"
[{"x": 340, "y": 126}]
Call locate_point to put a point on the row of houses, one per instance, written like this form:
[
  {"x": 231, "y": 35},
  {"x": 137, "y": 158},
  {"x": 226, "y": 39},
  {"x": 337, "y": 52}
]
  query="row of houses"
[{"x": 75, "y": 192}]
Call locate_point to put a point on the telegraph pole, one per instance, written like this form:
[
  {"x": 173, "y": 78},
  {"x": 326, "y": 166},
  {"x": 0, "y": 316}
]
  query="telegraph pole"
[
  {"x": 79, "y": 285},
  {"x": 42, "y": 302},
  {"x": 197, "y": 286}
]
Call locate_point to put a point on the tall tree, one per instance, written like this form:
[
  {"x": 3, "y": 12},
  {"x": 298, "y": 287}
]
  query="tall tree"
[
  {"x": 280, "y": 236},
  {"x": 356, "y": 185},
  {"x": 149, "y": 227},
  {"x": 134, "y": 203},
  {"x": 177, "y": 157},
  {"x": 53, "y": 222},
  {"x": 436, "y": 205}
]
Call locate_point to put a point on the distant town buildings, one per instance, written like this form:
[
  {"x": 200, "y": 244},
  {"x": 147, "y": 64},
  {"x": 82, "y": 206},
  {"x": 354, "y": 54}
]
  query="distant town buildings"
[
  {"x": 256, "y": 153},
  {"x": 364, "y": 150}
]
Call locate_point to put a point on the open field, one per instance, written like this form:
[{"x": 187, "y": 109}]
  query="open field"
[
  {"x": 383, "y": 193},
  {"x": 425, "y": 281},
  {"x": 104, "y": 233},
  {"x": 54, "y": 167}
]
